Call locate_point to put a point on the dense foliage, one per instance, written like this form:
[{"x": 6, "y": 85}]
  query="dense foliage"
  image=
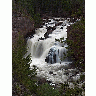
[
  {"x": 27, "y": 8},
  {"x": 47, "y": 90},
  {"x": 76, "y": 91},
  {"x": 52, "y": 7},
  {"x": 76, "y": 43},
  {"x": 21, "y": 74}
]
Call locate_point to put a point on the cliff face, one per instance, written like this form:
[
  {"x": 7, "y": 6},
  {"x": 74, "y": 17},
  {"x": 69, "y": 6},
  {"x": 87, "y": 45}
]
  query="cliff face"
[{"x": 22, "y": 24}]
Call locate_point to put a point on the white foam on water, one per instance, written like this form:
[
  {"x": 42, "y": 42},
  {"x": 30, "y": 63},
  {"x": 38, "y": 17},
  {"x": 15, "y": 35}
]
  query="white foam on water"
[{"x": 39, "y": 49}]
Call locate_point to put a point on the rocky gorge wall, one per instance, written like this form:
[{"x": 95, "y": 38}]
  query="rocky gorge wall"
[{"x": 22, "y": 24}]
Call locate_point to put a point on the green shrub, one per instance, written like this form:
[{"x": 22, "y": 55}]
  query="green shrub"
[
  {"x": 37, "y": 19},
  {"x": 66, "y": 91},
  {"x": 73, "y": 92},
  {"x": 47, "y": 90}
]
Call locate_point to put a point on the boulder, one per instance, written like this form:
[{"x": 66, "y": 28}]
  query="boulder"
[
  {"x": 50, "y": 72},
  {"x": 51, "y": 58},
  {"x": 61, "y": 28}
]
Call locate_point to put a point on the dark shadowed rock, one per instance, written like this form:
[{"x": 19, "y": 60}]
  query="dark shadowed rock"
[
  {"x": 47, "y": 59},
  {"x": 66, "y": 73},
  {"x": 61, "y": 28},
  {"x": 49, "y": 28},
  {"x": 41, "y": 26},
  {"x": 51, "y": 58},
  {"x": 49, "y": 81},
  {"x": 41, "y": 81},
  {"x": 53, "y": 28},
  {"x": 54, "y": 57},
  {"x": 50, "y": 72},
  {"x": 57, "y": 24},
  {"x": 46, "y": 35},
  {"x": 54, "y": 74},
  {"x": 49, "y": 20},
  {"x": 57, "y": 19},
  {"x": 30, "y": 34}
]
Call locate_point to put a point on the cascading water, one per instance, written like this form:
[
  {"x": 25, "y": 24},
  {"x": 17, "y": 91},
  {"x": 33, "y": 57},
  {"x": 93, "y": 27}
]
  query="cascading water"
[{"x": 47, "y": 52}]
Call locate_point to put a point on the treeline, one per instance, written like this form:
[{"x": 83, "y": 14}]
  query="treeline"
[
  {"x": 39, "y": 8},
  {"x": 61, "y": 7},
  {"x": 51, "y": 7}
]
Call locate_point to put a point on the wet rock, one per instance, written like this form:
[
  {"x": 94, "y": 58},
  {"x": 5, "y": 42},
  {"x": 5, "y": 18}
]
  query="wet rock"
[
  {"x": 49, "y": 20},
  {"x": 66, "y": 73},
  {"x": 61, "y": 28},
  {"x": 49, "y": 31},
  {"x": 57, "y": 24},
  {"x": 53, "y": 28},
  {"x": 54, "y": 57},
  {"x": 41, "y": 38},
  {"x": 50, "y": 72},
  {"x": 62, "y": 19},
  {"x": 49, "y": 28},
  {"x": 46, "y": 35},
  {"x": 54, "y": 74},
  {"x": 53, "y": 84},
  {"x": 51, "y": 58},
  {"x": 49, "y": 81},
  {"x": 68, "y": 19},
  {"x": 30, "y": 34},
  {"x": 47, "y": 59},
  {"x": 57, "y": 19},
  {"x": 41, "y": 26},
  {"x": 43, "y": 23}
]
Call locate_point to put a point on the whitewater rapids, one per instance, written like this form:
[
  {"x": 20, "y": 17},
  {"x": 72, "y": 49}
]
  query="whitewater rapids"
[{"x": 40, "y": 49}]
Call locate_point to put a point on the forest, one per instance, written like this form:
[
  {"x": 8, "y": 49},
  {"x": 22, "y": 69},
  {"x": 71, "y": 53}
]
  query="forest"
[{"x": 27, "y": 16}]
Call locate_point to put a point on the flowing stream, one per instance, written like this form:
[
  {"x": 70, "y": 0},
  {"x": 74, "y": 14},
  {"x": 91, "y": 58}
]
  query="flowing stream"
[{"x": 47, "y": 53}]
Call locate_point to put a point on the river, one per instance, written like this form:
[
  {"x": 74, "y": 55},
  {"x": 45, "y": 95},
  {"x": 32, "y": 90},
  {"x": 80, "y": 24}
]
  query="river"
[{"x": 47, "y": 53}]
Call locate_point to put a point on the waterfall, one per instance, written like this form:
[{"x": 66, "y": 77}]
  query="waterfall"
[
  {"x": 45, "y": 50},
  {"x": 48, "y": 48}
]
